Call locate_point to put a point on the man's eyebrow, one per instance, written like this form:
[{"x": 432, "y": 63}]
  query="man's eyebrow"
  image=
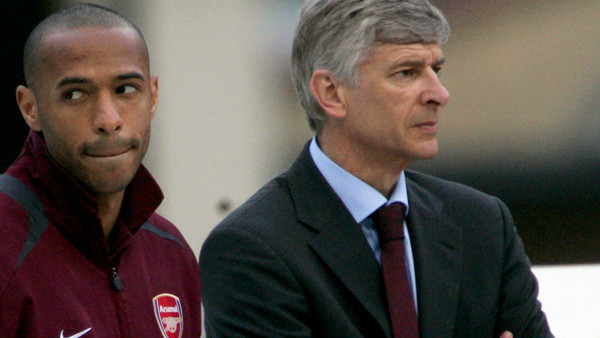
[
  {"x": 412, "y": 63},
  {"x": 129, "y": 76},
  {"x": 72, "y": 80},
  {"x": 82, "y": 80},
  {"x": 416, "y": 63}
]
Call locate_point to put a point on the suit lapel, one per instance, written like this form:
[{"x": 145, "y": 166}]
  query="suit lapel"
[
  {"x": 437, "y": 253},
  {"x": 339, "y": 241}
]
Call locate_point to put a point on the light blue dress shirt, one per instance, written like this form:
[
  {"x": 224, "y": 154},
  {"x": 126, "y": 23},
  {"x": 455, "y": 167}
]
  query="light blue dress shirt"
[{"x": 362, "y": 200}]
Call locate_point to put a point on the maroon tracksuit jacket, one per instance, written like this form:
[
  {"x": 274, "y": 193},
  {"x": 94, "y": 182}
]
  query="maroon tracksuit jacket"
[{"x": 59, "y": 279}]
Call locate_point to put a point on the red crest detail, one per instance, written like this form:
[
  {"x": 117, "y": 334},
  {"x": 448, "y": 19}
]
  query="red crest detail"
[{"x": 169, "y": 315}]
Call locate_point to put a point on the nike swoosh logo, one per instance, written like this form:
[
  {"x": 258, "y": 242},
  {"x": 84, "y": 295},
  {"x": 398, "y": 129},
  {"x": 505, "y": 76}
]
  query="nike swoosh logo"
[{"x": 77, "y": 335}]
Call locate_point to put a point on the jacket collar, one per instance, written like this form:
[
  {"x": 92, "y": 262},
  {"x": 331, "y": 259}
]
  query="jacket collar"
[
  {"x": 339, "y": 242},
  {"x": 437, "y": 252},
  {"x": 74, "y": 211}
]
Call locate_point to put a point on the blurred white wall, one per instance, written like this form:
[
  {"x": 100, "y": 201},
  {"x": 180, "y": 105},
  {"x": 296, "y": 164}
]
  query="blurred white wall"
[{"x": 219, "y": 133}]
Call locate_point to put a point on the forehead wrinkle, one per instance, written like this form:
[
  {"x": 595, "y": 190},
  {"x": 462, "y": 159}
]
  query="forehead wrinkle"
[{"x": 419, "y": 58}]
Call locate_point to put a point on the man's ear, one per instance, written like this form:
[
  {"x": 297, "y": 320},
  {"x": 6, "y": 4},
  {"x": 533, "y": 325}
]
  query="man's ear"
[
  {"x": 153, "y": 95},
  {"x": 329, "y": 93},
  {"x": 29, "y": 108}
]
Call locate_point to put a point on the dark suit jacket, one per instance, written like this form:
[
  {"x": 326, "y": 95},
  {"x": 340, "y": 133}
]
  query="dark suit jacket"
[{"x": 292, "y": 262}]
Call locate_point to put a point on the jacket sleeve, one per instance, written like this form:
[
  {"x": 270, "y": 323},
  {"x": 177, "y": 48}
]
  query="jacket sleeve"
[
  {"x": 520, "y": 312},
  {"x": 248, "y": 291}
]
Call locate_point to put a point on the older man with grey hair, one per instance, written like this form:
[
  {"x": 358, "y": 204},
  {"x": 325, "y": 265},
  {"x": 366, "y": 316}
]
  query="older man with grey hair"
[{"x": 348, "y": 242}]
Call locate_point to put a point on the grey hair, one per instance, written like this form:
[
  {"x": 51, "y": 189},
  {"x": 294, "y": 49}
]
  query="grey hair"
[
  {"x": 337, "y": 35},
  {"x": 73, "y": 17}
]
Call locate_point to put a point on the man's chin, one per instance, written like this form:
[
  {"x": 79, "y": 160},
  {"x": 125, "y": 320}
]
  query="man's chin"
[
  {"x": 426, "y": 153},
  {"x": 107, "y": 188},
  {"x": 108, "y": 184}
]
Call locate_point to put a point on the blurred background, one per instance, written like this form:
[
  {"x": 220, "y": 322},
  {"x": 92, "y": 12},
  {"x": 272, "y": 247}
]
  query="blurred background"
[{"x": 523, "y": 121}]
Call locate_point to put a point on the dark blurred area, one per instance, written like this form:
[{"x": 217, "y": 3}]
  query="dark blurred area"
[
  {"x": 18, "y": 19},
  {"x": 556, "y": 212}
]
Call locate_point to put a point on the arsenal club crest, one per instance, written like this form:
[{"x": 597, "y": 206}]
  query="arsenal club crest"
[{"x": 169, "y": 315}]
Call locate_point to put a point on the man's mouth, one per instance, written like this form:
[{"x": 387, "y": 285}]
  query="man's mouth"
[
  {"x": 107, "y": 152},
  {"x": 429, "y": 126}
]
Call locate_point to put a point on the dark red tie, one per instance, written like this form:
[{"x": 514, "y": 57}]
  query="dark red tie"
[{"x": 389, "y": 221}]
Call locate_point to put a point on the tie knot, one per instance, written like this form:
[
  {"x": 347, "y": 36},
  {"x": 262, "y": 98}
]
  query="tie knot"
[{"x": 389, "y": 222}]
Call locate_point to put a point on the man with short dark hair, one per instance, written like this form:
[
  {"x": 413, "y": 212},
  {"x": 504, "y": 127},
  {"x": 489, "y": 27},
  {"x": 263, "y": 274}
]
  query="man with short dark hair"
[
  {"x": 82, "y": 252},
  {"x": 348, "y": 242}
]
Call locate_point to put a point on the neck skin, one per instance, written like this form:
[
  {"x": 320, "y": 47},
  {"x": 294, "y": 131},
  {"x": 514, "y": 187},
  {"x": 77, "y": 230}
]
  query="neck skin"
[
  {"x": 376, "y": 168},
  {"x": 109, "y": 207}
]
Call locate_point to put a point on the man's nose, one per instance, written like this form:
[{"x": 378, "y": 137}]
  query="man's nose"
[
  {"x": 435, "y": 93},
  {"x": 107, "y": 115}
]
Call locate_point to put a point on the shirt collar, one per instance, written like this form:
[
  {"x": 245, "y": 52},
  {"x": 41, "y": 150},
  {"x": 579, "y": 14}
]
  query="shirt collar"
[{"x": 359, "y": 198}]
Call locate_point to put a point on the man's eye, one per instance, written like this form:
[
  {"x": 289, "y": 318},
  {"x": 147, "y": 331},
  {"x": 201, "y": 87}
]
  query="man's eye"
[
  {"x": 438, "y": 71},
  {"x": 406, "y": 73},
  {"x": 127, "y": 89},
  {"x": 73, "y": 94}
]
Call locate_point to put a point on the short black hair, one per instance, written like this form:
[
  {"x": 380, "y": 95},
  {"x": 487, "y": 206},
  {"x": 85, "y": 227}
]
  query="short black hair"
[{"x": 76, "y": 16}]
